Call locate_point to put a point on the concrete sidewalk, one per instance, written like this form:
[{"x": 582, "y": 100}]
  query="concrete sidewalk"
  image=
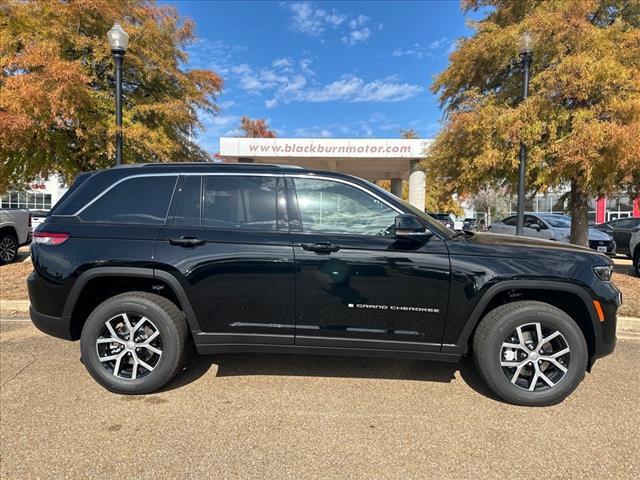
[{"x": 628, "y": 327}]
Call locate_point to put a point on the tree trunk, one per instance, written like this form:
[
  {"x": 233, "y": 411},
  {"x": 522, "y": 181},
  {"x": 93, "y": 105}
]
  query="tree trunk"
[{"x": 579, "y": 208}]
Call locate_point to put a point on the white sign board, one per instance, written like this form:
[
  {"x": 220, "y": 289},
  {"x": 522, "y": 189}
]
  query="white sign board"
[{"x": 323, "y": 148}]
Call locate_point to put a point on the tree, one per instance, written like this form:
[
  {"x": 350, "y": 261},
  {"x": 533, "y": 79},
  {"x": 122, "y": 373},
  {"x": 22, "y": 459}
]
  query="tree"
[
  {"x": 581, "y": 120},
  {"x": 492, "y": 203},
  {"x": 409, "y": 134},
  {"x": 57, "y": 111},
  {"x": 256, "y": 128}
]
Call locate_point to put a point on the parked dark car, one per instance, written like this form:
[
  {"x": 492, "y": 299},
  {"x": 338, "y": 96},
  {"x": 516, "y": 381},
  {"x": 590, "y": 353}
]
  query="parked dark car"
[
  {"x": 470, "y": 224},
  {"x": 444, "y": 218},
  {"x": 139, "y": 261},
  {"x": 621, "y": 229}
]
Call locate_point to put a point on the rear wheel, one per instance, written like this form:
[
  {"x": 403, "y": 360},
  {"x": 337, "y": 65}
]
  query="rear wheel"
[
  {"x": 134, "y": 343},
  {"x": 636, "y": 261},
  {"x": 8, "y": 248},
  {"x": 530, "y": 353}
]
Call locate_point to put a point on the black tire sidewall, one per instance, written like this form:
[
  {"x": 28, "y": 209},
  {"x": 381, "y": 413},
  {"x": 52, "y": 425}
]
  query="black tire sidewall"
[
  {"x": 15, "y": 250},
  {"x": 557, "y": 320},
  {"x": 171, "y": 350}
]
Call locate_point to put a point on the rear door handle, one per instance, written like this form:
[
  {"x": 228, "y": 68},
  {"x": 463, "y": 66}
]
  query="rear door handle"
[
  {"x": 320, "y": 247},
  {"x": 187, "y": 241}
]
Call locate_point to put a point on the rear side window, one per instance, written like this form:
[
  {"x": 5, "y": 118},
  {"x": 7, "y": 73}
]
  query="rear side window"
[
  {"x": 247, "y": 203},
  {"x": 141, "y": 200},
  {"x": 188, "y": 207}
]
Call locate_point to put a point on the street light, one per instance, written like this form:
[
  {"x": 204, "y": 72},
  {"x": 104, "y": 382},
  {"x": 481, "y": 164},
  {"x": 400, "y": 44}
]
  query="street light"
[
  {"x": 118, "y": 41},
  {"x": 526, "y": 55}
]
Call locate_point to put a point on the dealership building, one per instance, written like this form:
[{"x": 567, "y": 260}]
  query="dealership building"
[{"x": 372, "y": 159}]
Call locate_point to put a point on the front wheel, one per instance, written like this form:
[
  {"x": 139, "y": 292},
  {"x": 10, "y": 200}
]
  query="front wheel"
[
  {"x": 636, "y": 261},
  {"x": 134, "y": 343},
  {"x": 530, "y": 353}
]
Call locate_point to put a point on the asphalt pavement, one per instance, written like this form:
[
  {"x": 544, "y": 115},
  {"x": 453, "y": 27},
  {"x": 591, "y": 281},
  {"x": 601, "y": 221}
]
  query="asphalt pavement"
[{"x": 283, "y": 416}]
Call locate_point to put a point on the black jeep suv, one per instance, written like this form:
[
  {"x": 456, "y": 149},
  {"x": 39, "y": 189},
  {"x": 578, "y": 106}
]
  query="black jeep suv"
[{"x": 138, "y": 261}]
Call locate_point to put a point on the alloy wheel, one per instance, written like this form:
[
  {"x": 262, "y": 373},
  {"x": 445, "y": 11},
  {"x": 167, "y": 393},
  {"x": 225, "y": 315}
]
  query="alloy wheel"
[
  {"x": 8, "y": 249},
  {"x": 535, "y": 357},
  {"x": 129, "y": 346}
]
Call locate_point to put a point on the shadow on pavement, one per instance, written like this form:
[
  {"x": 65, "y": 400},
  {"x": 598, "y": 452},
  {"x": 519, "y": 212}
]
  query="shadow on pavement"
[{"x": 330, "y": 367}]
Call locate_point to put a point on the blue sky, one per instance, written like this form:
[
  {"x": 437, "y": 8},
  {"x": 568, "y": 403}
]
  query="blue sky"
[{"x": 325, "y": 69}]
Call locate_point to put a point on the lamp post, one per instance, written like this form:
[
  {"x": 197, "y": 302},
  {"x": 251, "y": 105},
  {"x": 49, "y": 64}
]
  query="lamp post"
[
  {"x": 526, "y": 55},
  {"x": 118, "y": 41}
]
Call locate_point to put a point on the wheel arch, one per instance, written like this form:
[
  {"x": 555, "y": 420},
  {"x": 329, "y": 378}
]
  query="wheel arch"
[
  {"x": 10, "y": 229},
  {"x": 101, "y": 283},
  {"x": 570, "y": 298}
]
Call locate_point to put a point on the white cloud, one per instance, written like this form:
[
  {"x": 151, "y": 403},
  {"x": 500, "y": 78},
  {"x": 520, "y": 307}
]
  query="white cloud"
[
  {"x": 282, "y": 63},
  {"x": 311, "y": 20},
  {"x": 356, "y": 36},
  {"x": 359, "y": 21},
  {"x": 435, "y": 48},
  {"x": 350, "y": 88}
]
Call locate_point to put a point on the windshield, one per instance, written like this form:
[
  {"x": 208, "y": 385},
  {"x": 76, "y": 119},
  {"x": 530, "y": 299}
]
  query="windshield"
[
  {"x": 433, "y": 224},
  {"x": 556, "y": 220}
]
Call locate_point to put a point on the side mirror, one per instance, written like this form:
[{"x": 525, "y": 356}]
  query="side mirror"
[
  {"x": 407, "y": 224},
  {"x": 535, "y": 226}
]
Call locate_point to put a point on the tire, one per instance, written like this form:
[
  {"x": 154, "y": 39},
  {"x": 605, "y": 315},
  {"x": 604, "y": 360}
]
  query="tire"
[
  {"x": 8, "y": 248},
  {"x": 100, "y": 349},
  {"x": 636, "y": 261},
  {"x": 509, "y": 372}
]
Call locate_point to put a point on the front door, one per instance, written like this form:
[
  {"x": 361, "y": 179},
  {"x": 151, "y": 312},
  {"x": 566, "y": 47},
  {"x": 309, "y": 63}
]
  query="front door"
[
  {"x": 228, "y": 243},
  {"x": 357, "y": 285}
]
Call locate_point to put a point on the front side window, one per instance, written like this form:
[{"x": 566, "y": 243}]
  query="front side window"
[
  {"x": 333, "y": 207},
  {"x": 140, "y": 200},
  {"x": 511, "y": 221},
  {"x": 242, "y": 202}
]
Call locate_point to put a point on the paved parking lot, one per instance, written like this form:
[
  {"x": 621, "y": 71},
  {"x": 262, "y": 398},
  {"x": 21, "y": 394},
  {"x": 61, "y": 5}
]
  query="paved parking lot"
[{"x": 261, "y": 416}]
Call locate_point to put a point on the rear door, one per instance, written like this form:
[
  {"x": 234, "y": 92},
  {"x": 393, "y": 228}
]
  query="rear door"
[
  {"x": 357, "y": 285},
  {"x": 228, "y": 244}
]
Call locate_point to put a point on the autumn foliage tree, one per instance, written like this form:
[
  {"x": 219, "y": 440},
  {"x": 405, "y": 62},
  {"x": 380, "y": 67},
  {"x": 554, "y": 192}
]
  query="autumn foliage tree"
[
  {"x": 257, "y": 128},
  {"x": 581, "y": 122},
  {"x": 57, "y": 87}
]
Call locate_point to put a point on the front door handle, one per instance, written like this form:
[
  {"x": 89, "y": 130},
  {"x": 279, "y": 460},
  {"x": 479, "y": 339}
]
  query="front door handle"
[
  {"x": 187, "y": 241},
  {"x": 320, "y": 247}
]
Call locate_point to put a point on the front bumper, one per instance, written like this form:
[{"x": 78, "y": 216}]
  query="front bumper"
[
  {"x": 54, "y": 326},
  {"x": 610, "y": 299},
  {"x": 604, "y": 246}
]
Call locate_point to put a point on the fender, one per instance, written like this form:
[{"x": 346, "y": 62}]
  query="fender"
[
  {"x": 463, "y": 341},
  {"x": 173, "y": 283}
]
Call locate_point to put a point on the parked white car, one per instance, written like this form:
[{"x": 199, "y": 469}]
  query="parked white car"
[
  {"x": 15, "y": 231},
  {"x": 553, "y": 226}
]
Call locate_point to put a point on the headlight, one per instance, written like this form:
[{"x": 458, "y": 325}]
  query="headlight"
[{"x": 604, "y": 272}]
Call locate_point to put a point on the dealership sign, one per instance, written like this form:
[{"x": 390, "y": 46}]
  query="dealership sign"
[{"x": 326, "y": 148}]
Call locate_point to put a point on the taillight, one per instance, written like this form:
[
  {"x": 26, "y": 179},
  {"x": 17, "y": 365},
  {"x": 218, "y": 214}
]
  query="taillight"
[{"x": 50, "y": 238}]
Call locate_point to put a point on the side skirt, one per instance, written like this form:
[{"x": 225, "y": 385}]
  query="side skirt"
[{"x": 209, "y": 349}]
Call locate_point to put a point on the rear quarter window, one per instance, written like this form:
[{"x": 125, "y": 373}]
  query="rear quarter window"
[{"x": 138, "y": 200}]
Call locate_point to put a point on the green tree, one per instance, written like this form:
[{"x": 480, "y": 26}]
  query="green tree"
[
  {"x": 581, "y": 122},
  {"x": 57, "y": 111}
]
